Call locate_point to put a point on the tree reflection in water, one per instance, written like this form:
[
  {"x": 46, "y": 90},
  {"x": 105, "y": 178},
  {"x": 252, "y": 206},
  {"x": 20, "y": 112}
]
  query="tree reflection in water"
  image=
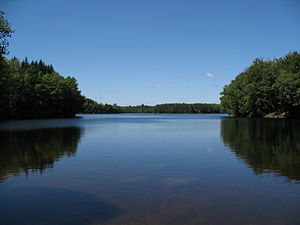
[
  {"x": 35, "y": 150},
  {"x": 266, "y": 145}
]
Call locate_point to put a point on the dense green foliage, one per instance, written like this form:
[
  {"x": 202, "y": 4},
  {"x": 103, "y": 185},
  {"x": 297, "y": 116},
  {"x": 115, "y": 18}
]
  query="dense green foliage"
[
  {"x": 271, "y": 86},
  {"x": 174, "y": 108},
  {"x": 91, "y": 106},
  {"x": 266, "y": 145},
  {"x": 35, "y": 90},
  {"x": 5, "y": 32}
]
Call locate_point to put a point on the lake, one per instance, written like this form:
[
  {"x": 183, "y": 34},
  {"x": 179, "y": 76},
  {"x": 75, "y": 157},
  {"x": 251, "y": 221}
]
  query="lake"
[{"x": 150, "y": 169}]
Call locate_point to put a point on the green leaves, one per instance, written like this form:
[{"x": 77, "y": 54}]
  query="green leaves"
[
  {"x": 5, "y": 32},
  {"x": 265, "y": 87},
  {"x": 174, "y": 108},
  {"x": 91, "y": 106},
  {"x": 34, "y": 90}
]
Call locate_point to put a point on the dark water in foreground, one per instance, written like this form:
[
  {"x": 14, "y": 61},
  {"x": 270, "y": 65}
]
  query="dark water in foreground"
[{"x": 150, "y": 169}]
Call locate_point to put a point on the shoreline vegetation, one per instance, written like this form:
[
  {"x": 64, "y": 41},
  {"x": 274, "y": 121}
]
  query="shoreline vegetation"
[
  {"x": 34, "y": 90},
  {"x": 92, "y": 107},
  {"x": 267, "y": 88}
]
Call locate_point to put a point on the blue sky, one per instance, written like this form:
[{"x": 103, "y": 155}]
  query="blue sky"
[{"x": 131, "y": 52}]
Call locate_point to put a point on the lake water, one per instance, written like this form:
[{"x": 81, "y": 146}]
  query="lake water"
[{"x": 150, "y": 169}]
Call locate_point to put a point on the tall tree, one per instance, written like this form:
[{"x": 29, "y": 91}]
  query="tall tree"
[{"x": 5, "y": 32}]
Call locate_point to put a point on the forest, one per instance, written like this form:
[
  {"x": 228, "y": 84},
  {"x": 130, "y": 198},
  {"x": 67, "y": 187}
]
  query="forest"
[
  {"x": 267, "y": 88},
  {"x": 36, "y": 90},
  {"x": 175, "y": 108},
  {"x": 92, "y": 106}
]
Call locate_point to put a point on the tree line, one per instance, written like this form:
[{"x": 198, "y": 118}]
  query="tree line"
[
  {"x": 175, "y": 108},
  {"x": 266, "y": 88},
  {"x": 92, "y": 106},
  {"x": 36, "y": 90}
]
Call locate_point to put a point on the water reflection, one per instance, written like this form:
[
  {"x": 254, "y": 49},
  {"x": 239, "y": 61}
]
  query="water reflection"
[
  {"x": 266, "y": 145},
  {"x": 49, "y": 206},
  {"x": 35, "y": 150}
]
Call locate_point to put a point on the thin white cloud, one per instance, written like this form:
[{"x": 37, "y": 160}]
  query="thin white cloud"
[
  {"x": 210, "y": 75},
  {"x": 215, "y": 69}
]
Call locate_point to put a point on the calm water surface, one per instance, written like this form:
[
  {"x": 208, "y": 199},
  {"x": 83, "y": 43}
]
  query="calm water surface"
[{"x": 150, "y": 169}]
